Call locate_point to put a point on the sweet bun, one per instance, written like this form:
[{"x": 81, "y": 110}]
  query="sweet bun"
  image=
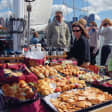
[
  {"x": 5, "y": 87},
  {"x": 20, "y": 96}
]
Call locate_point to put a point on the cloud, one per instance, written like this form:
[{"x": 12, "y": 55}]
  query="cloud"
[
  {"x": 97, "y": 17},
  {"x": 5, "y": 14},
  {"x": 6, "y": 4},
  {"x": 98, "y": 6},
  {"x": 10, "y": 4},
  {"x": 95, "y": 7},
  {"x": 3, "y": 4},
  {"x": 66, "y": 10}
]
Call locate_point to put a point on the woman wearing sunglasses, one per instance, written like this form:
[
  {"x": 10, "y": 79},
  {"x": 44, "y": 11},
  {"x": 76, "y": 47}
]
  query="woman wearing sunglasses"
[
  {"x": 80, "y": 50},
  {"x": 107, "y": 44}
]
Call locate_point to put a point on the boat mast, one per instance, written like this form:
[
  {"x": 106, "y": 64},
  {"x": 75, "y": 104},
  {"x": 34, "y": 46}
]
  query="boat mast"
[{"x": 74, "y": 13}]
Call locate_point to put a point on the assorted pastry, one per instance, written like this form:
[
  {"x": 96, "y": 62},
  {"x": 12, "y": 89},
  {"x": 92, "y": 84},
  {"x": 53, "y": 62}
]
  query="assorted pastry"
[
  {"x": 51, "y": 82},
  {"x": 68, "y": 69},
  {"x": 11, "y": 73},
  {"x": 20, "y": 90},
  {"x": 58, "y": 84},
  {"x": 68, "y": 83},
  {"x": 43, "y": 86},
  {"x": 71, "y": 101},
  {"x": 43, "y": 71},
  {"x": 91, "y": 77}
]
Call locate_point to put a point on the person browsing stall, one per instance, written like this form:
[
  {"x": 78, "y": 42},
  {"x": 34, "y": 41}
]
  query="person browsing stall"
[
  {"x": 94, "y": 41},
  {"x": 58, "y": 32},
  {"x": 81, "y": 49},
  {"x": 35, "y": 39},
  {"x": 106, "y": 32}
]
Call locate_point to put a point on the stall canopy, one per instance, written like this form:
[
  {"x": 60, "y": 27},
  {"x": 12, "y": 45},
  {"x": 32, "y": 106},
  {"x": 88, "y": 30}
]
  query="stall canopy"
[{"x": 41, "y": 11}]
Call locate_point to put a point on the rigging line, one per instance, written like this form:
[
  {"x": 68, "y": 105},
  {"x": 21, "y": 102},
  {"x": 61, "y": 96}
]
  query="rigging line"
[
  {"x": 9, "y": 4},
  {"x": 67, "y": 9},
  {"x": 78, "y": 5},
  {"x": 74, "y": 8},
  {"x": 87, "y": 7},
  {"x": 81, "y": 7},
  {"x": 63, "y": 2}
]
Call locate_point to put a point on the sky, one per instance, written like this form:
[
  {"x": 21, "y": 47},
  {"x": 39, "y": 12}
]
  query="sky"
[{"x": 101, "y": 8}]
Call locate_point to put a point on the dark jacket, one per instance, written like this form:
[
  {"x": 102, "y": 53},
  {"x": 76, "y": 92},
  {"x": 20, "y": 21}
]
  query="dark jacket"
[{"x": 80, "y": 50}]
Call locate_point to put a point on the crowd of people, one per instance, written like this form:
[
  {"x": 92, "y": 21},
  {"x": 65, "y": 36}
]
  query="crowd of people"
[{"x": 85, "y": 38}]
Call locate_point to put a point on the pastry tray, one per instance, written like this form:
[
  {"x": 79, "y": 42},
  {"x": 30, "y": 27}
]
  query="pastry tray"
[
  {"x": 100, "y": 86},
  {"x": 7, "y": 102},
  {"x": 46, "y": 99},
  {"x": 26, "y": 74}
]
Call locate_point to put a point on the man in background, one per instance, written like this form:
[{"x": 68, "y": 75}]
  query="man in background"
[{"x": 58, "y": 32}]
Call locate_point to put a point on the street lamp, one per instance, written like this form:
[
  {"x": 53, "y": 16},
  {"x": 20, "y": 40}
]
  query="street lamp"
[{"x": 29, "y": 9}]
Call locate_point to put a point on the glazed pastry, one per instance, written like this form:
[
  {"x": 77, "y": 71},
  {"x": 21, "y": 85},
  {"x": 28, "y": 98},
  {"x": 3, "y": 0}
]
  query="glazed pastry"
[
  {"x": 19, "y": 90},
  {"x": 22, "y": 84},
  {"x": 68, "y": 69},
  {"x": 40, "y": 75},
  {"x": 43, "y": 71},
  {"x": 7, "y": 71},
  {"x": 20, "y": 96}
]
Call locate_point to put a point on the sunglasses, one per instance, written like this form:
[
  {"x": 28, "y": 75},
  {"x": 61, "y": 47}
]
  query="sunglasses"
[
  {"x": 91, "y": 25},
  {"x": 76, "y": 30},
  {"x": 105, "y": 24},
  {"x": 58, "y": 16}
]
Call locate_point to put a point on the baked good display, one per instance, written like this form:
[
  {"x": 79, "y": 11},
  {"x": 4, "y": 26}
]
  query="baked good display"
[
  {"x": 68, "y": 69},
  {"x": 71, "y": 101},
  {"x": 91, "y": 77},
  {"x": 43, "y": 86},
  {"x": 43, "y": 71},
  {"x": 58, "y": 84},
  {"x": 20, "y": 90},
  {"x": 68, "y": 83},
  {"x": 11, "y": 73}
]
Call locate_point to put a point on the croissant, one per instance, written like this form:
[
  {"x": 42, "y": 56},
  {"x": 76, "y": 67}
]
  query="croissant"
[{"x": 40, "y": 75}]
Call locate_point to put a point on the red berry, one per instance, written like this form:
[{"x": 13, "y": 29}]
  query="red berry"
[
  {"x": 76, "y": 85},
  {"x": 57, "y": 90},
  {"x": 67, "y": 77}
]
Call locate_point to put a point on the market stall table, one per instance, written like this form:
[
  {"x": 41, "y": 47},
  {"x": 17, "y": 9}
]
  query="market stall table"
[
  {"x": 39, "y": 106},
  {"x": 11, "y": 58},
  {"x": 104, "y": 109},
  {"x": 54, "y": 57}
]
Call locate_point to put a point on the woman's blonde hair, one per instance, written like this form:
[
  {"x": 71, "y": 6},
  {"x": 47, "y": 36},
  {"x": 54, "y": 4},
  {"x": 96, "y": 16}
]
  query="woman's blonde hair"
[
  {"x": 84, "y": 31},
  {"x": 108, "y": 21},
  {"x": 82, "y": 21}
]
